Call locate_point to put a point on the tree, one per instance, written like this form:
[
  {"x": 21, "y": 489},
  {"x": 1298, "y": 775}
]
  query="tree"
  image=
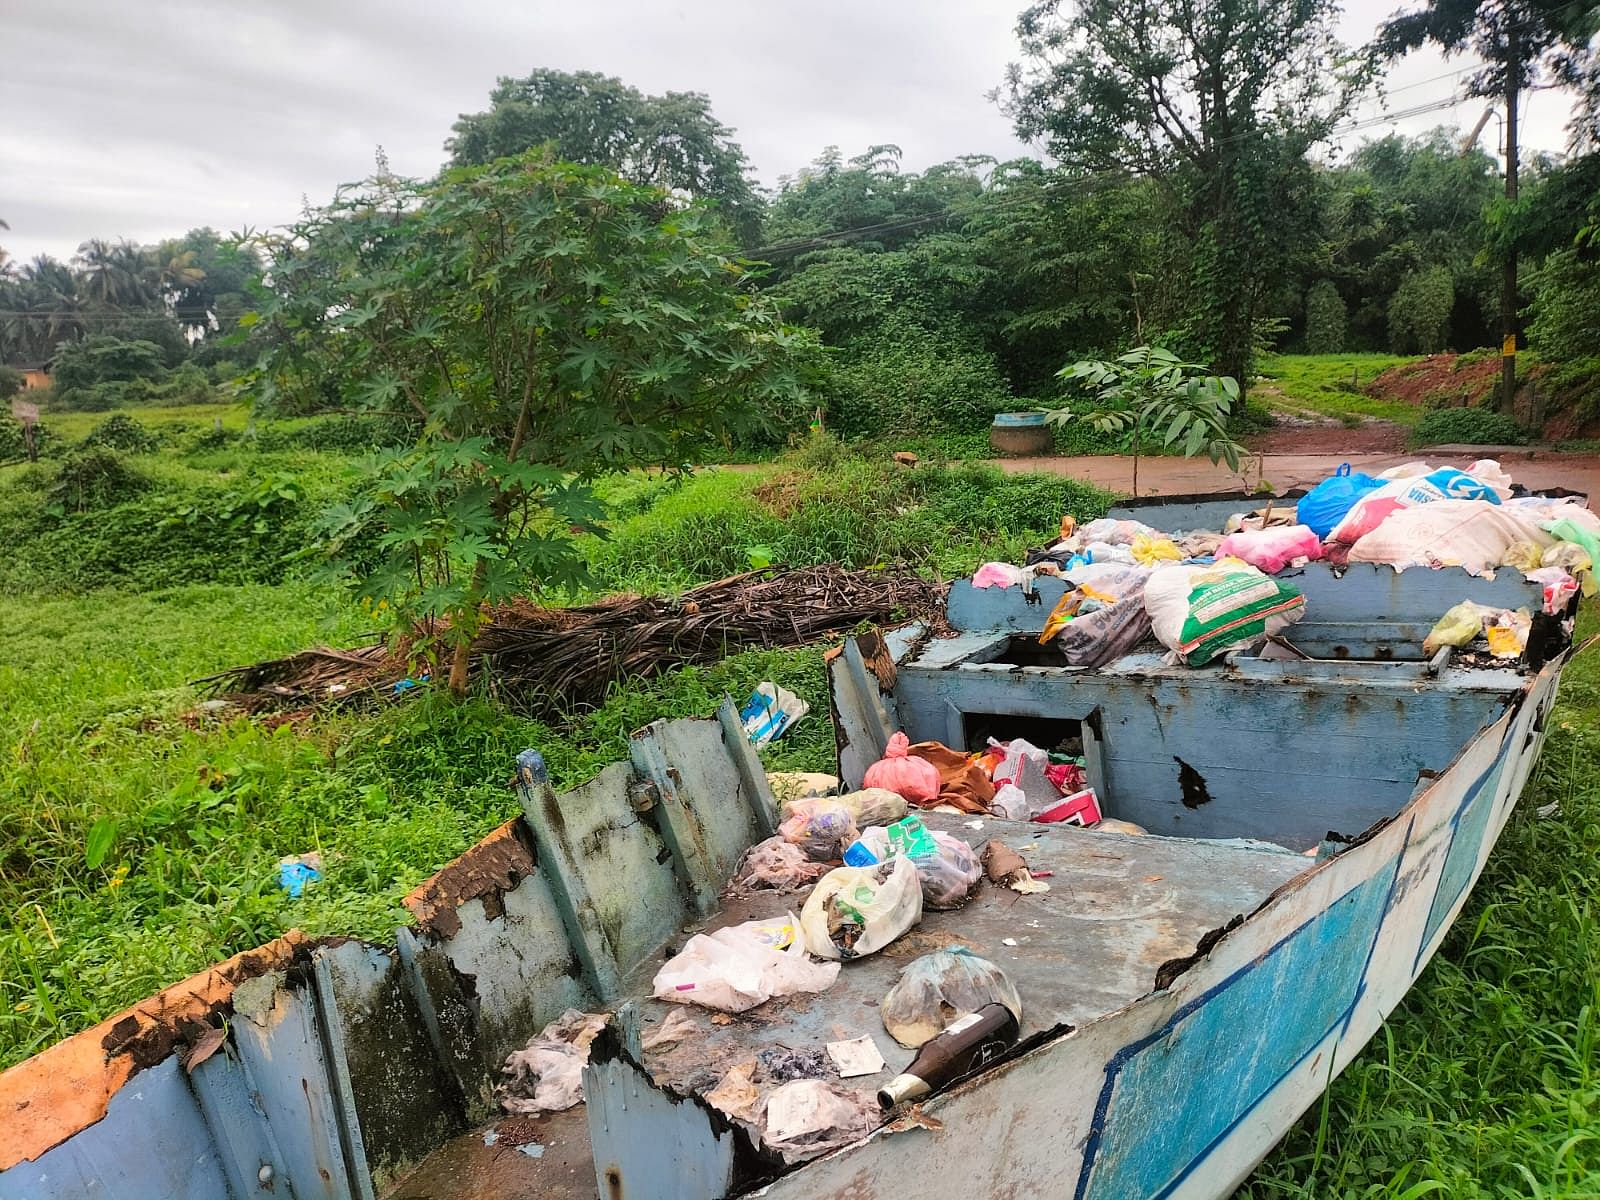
[
  {"x": 1152, "y": 391},
  {"x": 1419, "y": 313},
  {"x": 1325, "y": 317},
  {"x": 540, "y": 322},
  {"x": 1219, "y": 102},
  {"x": 670, "y": 141},
  {"x": 113, "y": 273}
]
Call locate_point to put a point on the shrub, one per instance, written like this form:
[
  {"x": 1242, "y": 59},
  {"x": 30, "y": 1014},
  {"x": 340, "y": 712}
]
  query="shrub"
[
  {"x": 13, "y": 442},
  {"x": 916, "y": 382},
  {"x": 1467, "y": 426},
  {"x": 122, "y": 432},
  {"x": 1325, "y": 319},
  {"x": 93, "y": 478},
  {"x": 102, "y": 358}
]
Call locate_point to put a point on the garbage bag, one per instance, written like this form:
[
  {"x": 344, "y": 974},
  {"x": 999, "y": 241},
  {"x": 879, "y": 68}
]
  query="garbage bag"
[
  {"x": 737, "y": 968},
  {"x": 822, "y": 827},
  {"x": 947, "y": 875},
  {"x": 1373, "y": 509},
  {"x": 1524, "y": 556},
  {"x": 1094, "y": 639},
  {"x": 875, "y": 806},
  {"x": 859, "y": 910},
  {"x": 934, "y": 990},
  {"x": 1149, "y": 550},
  {"x": 1325, "y": 505},
  {"x": 1200, "y": 612},
  {"x": 1009, "y": 802},
  {"x": 1271, "y": 550},
  {"x": 1459, "y": 626},
  {"x": 1474, "y": 535},
  {"x": 899, "y": 771},
  {"x": 776, "y": 863}
]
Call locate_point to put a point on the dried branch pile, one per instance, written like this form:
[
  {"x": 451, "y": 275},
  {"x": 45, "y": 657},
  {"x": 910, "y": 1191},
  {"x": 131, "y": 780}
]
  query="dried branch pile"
[{"x": 554, "y": 660}]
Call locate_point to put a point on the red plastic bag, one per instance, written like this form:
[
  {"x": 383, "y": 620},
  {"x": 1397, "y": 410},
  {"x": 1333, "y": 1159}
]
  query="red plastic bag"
[{"x": 914, "y": 778}]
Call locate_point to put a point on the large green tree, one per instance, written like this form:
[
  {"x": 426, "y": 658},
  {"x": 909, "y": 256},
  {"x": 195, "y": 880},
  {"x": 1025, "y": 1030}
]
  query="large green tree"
[
  {"x": 540, "y": 322},
  {"x": 671, "y": 141},
  {"x": 1219, "y": 102}
]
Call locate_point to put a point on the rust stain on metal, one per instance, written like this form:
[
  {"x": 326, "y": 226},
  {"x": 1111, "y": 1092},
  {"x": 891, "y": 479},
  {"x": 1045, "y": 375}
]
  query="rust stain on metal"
[
  {"x": 51, "y": 1096},
  {"x": 486, "y": 872}
]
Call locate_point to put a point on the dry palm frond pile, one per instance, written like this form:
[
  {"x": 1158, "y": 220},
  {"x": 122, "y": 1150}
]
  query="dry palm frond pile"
[{"x": 554, "y": 660}]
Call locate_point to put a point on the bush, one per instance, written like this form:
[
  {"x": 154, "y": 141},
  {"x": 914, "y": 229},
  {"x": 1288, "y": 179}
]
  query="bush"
[
  {"x": 1325, "y": 319},
  {"x": 1467, "y": 426},
  {"x": 916, "y": 383},
  {"x": 122, "y": 432},
  {"x": 13, "y": 441},
  {"x": 93, "y": 478},
  {"x": 102, "y": 358}
]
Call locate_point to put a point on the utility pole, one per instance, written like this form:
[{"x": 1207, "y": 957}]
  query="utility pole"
[{"x": 1508, "y": 283}]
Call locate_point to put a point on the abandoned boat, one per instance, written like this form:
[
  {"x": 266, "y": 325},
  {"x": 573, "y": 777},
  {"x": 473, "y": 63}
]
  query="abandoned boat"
[{"x": 1315, "y": 817}]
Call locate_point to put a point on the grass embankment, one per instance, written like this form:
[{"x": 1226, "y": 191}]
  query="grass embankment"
[
  {"x": 1332, "y": 385},
  {"x": 98, "y": 729}
]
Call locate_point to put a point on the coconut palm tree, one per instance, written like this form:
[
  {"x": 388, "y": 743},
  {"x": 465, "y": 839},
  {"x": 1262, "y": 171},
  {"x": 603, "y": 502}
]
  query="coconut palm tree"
[{"x": 113, "y": 273}]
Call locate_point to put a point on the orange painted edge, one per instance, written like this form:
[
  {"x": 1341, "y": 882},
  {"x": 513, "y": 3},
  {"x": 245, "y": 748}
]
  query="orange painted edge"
[{"x": 46, "y": 1099}]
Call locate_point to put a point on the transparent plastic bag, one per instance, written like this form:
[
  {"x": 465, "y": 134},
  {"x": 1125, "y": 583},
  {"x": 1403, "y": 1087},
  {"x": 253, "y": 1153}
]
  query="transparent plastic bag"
[
  {"x": 875, "y": 806},
  {"x": 822, "y": 827},
  {"x": 776, "y": 863},
  {"x": 937, "y": 988},
  {"x": 947, "y": 876},
  {"x": 858, "y": 910}
]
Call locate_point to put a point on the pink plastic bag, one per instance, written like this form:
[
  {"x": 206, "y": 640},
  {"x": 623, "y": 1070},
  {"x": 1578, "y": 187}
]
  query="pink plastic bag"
[
  {"x": 997, "y": 574},
  {"x": 916, "y": 779},
  {"x": 1271, "y": 550}
]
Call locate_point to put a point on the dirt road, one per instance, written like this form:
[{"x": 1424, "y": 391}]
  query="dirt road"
[{"x": 1281, "y": 472}]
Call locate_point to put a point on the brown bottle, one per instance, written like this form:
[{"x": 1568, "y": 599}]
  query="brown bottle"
[{"x": 965, "y": 1047}]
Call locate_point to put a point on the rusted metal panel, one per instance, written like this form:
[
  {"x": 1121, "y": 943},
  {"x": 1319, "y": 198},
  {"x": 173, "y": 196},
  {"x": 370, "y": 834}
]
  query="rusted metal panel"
[{"x": 152, "y": 1142}]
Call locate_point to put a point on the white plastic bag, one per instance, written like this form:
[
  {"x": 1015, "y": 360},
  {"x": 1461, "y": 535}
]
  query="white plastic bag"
[
  {"x": 858, "y": 910},
  {"x": 1474, "y": 535},
  {"x": 737, "y": 968},
  {"x": 769, "y": 712},
  {"x": 1009, "y": 802}
]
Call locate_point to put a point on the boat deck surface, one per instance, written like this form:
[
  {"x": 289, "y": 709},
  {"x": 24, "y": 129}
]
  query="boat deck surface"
[{"x": 1119, "y": 907}]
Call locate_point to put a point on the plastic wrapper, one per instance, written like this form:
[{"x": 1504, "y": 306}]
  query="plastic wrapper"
[
  {"x": 903, "y": 773},
  {"x": 776, "y": 863},
  {"x": 855, "y": 911},
  {"x": 1271, "y": 550},
  {"x": 737, "y": 968},
  {"x": 1459, "y": 626},
  {"x": 1201, "y": 612},
  {"x": 1011, "y": 755},
  {"x": 1113, "y": 532},
  {"x": 934, "y": 990},
  {"x": 1524, "y": 556},
  {"x": 1507, "y": 633},
  {"x": 947, "y": 875},
  {"x": 1559, "y": 587},
  {"x": 821, "y": 827}
]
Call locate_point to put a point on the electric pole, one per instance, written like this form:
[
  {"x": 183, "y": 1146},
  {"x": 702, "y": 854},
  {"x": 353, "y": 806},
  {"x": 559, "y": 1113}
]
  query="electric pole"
[{"x": 1508, "y": 283}]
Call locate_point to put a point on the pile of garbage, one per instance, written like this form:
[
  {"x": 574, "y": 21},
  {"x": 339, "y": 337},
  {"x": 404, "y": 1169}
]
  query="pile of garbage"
[{"x": 1203, "y": 593}]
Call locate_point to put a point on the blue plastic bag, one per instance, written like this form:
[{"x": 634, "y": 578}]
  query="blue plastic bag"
[{"x": 1325, "y": 505}]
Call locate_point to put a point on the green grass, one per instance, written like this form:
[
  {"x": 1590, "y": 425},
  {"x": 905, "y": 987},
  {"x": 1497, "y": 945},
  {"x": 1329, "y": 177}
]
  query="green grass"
[
  {"x": 74, "y": 426},
  {"x": 1331, "y": 385}
]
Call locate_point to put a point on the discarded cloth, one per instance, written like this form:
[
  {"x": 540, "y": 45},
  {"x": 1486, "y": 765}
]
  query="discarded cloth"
[
  {"x": 546, "y": 1075},
  {"x": 962, "y": 782}
]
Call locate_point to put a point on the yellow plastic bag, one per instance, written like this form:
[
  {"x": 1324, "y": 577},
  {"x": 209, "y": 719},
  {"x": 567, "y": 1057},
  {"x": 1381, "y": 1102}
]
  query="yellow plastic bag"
[
  {"x": 1066, "y": 608},
  {"x": 1524, "y": 556},
  {"x": 1148, "y": 551},
  {"x": 1457, "y": 627}
]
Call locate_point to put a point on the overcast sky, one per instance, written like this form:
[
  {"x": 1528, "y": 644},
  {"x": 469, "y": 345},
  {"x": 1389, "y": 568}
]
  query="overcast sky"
[{"x": 144, "y": 118}]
